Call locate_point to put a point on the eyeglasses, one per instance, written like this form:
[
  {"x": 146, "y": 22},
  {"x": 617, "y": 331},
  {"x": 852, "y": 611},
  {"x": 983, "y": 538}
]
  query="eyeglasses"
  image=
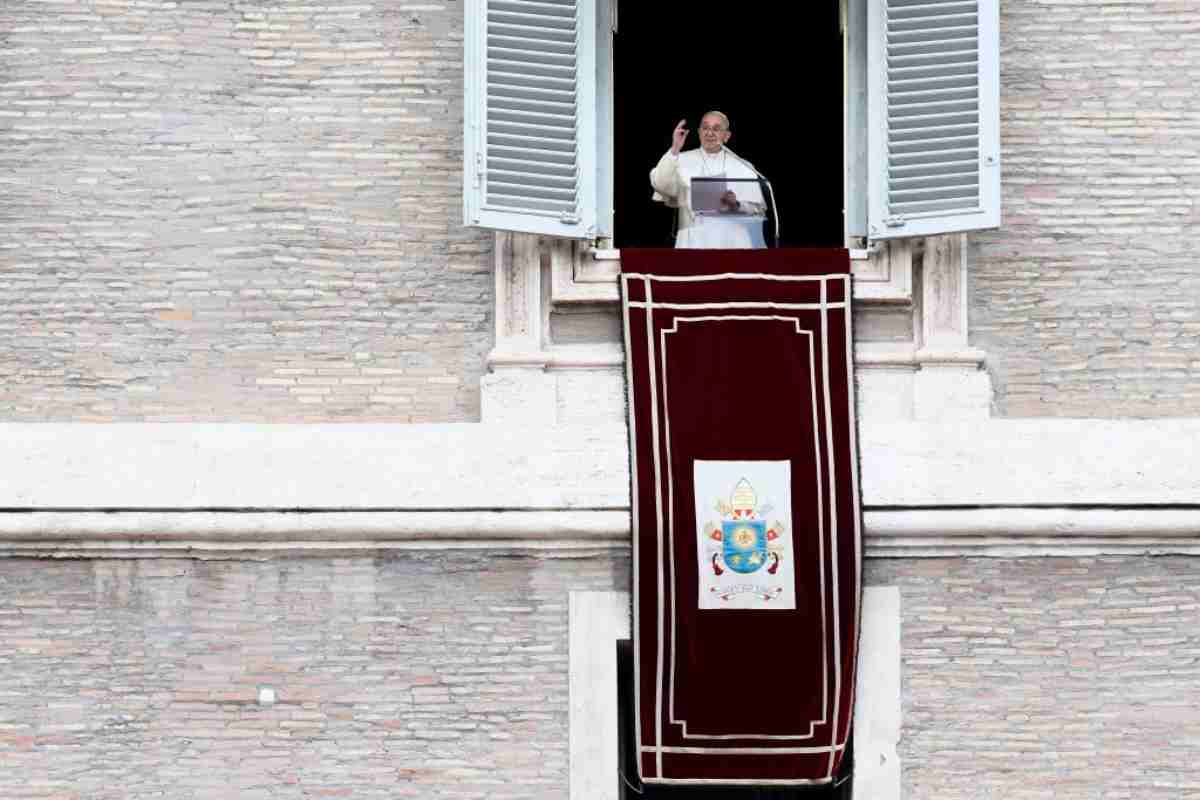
[{"x": 711, "y": 129}]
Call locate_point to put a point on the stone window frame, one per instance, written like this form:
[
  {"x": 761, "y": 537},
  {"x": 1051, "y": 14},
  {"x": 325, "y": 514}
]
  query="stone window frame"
[{"x": 936, "y": 375}]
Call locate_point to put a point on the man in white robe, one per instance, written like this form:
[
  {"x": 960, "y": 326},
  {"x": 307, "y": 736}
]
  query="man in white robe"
[{"x": 740, "y": 223}]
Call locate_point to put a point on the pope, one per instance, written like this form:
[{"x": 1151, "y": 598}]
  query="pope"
[{"x": 740, "y": 224}]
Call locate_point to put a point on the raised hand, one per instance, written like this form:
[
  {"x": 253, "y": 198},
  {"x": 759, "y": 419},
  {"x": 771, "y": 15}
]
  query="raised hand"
[{"x": 679, "y": 136}]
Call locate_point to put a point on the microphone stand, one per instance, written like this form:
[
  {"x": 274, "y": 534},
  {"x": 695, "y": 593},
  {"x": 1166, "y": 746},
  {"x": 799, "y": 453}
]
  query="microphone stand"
[{"x": 770, "y": 190}]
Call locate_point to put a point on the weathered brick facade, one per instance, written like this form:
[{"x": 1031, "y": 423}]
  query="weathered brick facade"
[
  {"x": 231, "y": 210},
  {"x": 1087, "y": 301},
  {"x": 446, "y": 676},
  {"x": 246, "y": 211},
  {"x": 236, "y": 211}
]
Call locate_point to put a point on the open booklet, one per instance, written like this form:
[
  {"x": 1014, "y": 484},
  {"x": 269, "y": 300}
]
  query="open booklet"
[{"x": 707, "y": 192}]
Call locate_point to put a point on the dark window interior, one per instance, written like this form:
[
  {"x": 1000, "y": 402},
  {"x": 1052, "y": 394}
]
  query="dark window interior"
[
  {"x": 774, "y": 68},
  {"x": 633, "y": 789}
]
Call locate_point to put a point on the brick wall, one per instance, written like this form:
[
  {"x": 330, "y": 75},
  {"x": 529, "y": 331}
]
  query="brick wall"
[
  {"x": 439, "y": 676},
  {"x": 1088, "y": 300},
  {"x": 236, "y": 211},
  {"x": 244, "y": 211},
  {"x": 1059, "y": 678},
  {"x": 445, "y": 675}
]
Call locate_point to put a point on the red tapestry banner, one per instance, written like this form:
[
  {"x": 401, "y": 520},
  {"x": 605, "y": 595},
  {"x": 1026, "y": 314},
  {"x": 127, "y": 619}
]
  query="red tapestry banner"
[{"x": 746, "y": 517}]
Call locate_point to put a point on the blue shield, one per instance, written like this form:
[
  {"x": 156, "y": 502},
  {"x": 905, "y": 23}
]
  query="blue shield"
[{"x": 745, "y": 544}]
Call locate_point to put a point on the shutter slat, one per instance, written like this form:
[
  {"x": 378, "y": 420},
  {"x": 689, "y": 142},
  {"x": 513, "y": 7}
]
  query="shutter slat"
[
  {"x": 933, "y": 9},
  {"x": 562, "y": 47},
  {"x": 965, "y": 67},
  {"x": 931, "y": 158},
  {"x": 936, "y": 133},
  {"x": 966, "y": 178},
  {"x": 543, "y": 167},
  {"x": 529, "y": 33},
  {"x": 536, "y": 93},
  {"x": 524, "y": 204},
  {"x": 967, "y": 190},
  {"x": 526, "y": 129},
  {"x": 926, "y": 23},
  {"x": 942, "y": 143},
  {"x": 916, "y": 121},
  {"x": 939, "y": 95},
  {"x": 554, "y": 148},
  {"x": 523, "y": 18},
  {"x": 929, "y": 48},
  {"x": 900, "y": 171},
  {"x": 563, "y": 183},
  {"x": 906, "y": 84},
  {"x": 522, "y": 155},
  {"x": 905, "y": 6},
  {"x": 499, "y": 113},
  {"x": 504, "y": 82},
  {"x": 923, "y": 109},
  {"x": 565, "y": 9},
  {"x": 502, "y": 55}
]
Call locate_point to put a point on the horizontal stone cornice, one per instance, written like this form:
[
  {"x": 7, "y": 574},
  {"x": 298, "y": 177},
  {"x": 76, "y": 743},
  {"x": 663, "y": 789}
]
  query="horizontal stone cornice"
[{"x": 898, "y": 533}]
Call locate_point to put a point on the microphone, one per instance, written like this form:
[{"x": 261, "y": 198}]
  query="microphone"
[{"x": 770, "y": 190}]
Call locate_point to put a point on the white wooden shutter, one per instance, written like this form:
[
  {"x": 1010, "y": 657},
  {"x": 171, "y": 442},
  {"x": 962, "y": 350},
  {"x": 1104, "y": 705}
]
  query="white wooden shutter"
[
  {"x": 934, "y": 127},
  {"x": 531, "y": 143}
]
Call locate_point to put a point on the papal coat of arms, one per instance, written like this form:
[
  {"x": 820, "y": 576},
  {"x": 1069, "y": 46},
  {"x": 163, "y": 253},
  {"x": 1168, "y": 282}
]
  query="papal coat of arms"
[{"x": 744, "y": 540}]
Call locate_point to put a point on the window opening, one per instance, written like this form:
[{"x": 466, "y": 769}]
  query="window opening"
[{"x": 775, "y": 69}]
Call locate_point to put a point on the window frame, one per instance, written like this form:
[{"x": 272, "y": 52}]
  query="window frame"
[{"x": 865, "y": 76}]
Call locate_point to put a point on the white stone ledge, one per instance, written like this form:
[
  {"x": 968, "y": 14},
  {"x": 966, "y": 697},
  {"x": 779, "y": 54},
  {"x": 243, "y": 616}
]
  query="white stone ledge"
[
  {"x": 992, "y": 487},
  {"x": 326, "y": 466},
  {"x": 989, "y": 462},
  {"x": 1030, "y": 462}
]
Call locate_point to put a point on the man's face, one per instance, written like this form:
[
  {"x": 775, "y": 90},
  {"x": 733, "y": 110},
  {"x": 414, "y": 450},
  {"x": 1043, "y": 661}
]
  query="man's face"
[{"x": 713, "y": 133}]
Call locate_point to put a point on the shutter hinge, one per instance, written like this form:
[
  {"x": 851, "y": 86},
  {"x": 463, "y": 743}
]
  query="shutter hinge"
[
  {"x": 569, "y": 219},
  {"x": 478, "y": 170},
  {"x": 895, "y": 222}
]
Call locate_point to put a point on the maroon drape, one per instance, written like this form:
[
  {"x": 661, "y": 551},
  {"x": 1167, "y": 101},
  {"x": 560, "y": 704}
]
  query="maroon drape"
[{"x": 740, "y": 376}]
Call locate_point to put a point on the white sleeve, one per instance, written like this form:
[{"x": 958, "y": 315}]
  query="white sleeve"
[{"x": 666, "y": 180}]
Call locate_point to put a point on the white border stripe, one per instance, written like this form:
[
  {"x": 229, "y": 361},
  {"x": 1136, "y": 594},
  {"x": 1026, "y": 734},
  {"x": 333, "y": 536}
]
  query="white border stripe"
[
  {"x": 749, "y": 751},
  {"x": 636, "y": 522},
  {"x": 852, "y": 417},
  {"x": 720, "y": 276},
  {"x": 833, "y": 528},
  {"x": 741, "y": 304},
  {"x": 743, "y": 782},
  {"x": 659, "y": 516},
  {"x": 820, "y": 528}
]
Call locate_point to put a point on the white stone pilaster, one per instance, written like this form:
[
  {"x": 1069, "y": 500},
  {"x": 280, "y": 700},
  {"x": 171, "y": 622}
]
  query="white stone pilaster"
[
  {"x": 877, "y": 706},
  {"x": 950, "y": 383},
  {"x": 518, "y": 390}
]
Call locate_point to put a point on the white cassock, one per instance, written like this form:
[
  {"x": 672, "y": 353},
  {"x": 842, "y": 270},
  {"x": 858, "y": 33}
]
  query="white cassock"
[{"x": 672, "y": 179}]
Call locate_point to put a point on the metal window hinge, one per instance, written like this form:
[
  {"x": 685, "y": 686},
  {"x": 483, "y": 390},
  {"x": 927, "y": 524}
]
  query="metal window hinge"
[
  {"x": 478, "y": 177},
  {"x": 896, "y": 221}
]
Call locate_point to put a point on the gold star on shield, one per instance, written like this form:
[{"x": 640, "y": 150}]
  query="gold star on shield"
[{"x": 756, "y": 559}]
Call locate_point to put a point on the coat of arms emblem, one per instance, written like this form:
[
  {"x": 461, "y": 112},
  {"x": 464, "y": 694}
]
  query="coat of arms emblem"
[{"x": 744, "y": 550}]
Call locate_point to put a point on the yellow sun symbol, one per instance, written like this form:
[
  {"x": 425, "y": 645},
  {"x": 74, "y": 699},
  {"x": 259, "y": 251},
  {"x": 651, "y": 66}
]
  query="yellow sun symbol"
[{"x": 744, "y": 538}]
